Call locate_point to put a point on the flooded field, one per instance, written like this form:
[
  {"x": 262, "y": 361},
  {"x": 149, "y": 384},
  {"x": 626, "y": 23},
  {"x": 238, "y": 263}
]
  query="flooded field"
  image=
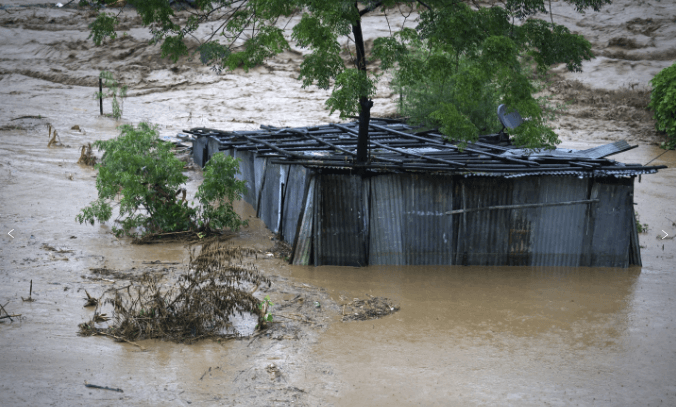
[{"x": 465, "y": 336}]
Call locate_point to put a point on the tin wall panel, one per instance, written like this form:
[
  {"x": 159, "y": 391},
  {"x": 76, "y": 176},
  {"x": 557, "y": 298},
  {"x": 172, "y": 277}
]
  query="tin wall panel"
[
  {"x": 522, "y": 221},
  {"x": 559, "y": 235},
  {"x": 341, "y": 227},
  {"x": 213, "y": 146},
  {"x": 483, "y": 236},
  {"x": 303, "y": 244},
  {"x": 199, "y": 150},
  {"x": 612, "y": 222},
  {"x": 294, "y": 199},
  {"x": 427, "y": 231},
  {"x": 246, "y": 173},
  {"x": 259, "y": 178},
  {"x": 269, "y": 209},
  {"x": 387, "y": 207}
]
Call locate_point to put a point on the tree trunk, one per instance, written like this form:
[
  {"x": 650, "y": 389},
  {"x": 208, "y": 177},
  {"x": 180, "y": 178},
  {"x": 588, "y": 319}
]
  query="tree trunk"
[{"x": 364, "y": 102}]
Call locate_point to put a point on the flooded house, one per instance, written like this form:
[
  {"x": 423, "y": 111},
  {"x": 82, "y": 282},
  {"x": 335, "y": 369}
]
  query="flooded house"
[{"x": 420, "y": 200}]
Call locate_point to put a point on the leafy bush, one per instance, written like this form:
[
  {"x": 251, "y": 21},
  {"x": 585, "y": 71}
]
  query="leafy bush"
[
  {"x": 663, "y": 103},
  {"x": 429, "y": 98},
  {"x": 141, "y": 169},
  {"x": 459, "y": 64}
]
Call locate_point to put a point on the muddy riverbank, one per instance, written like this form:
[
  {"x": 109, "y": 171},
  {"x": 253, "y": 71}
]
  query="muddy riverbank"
[{"x": 464, "y": 335}]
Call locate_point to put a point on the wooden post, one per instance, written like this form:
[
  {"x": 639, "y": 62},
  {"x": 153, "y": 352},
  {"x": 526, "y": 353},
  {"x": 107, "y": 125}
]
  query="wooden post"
[{"x": 101, "y": 96}]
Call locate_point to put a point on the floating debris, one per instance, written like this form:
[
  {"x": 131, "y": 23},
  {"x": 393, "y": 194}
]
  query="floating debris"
[{"x": 371, "y": 308}]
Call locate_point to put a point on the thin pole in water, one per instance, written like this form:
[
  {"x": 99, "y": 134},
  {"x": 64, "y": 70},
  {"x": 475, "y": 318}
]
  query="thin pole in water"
[{"x": 101, "y": 95}]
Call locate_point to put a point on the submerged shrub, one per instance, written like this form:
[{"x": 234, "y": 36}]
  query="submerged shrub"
[{"x": 143, "y": 172}]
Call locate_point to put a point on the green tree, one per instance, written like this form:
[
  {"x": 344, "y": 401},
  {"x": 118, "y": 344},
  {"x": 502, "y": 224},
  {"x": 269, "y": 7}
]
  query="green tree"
[
  {"x": 663, "y": 103},
  {"x": 143, "y": 172},
  {"x": 484, "y": 38}
]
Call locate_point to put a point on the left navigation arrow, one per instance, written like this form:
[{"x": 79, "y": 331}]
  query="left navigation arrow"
[{"x": 10, "y": 233}]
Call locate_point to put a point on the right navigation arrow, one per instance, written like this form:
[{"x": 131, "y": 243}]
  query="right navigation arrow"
[{"x": 665, "y": 234}]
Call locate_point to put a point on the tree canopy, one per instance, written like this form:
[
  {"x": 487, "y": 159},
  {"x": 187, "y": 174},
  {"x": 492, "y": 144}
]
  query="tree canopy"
[{"x": 469, "y": 45}]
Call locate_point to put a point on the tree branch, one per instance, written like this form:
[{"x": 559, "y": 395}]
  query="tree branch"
[
  {"x": 425, "y": 5},
  {"x": 370, "y": 8}
]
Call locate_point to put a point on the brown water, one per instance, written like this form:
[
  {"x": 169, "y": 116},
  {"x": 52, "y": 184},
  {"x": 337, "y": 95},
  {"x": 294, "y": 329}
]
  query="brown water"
[{"x": 464, "y": 335}]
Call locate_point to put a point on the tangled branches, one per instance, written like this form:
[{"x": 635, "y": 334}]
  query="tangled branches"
[{"x": 200, "y": 304}]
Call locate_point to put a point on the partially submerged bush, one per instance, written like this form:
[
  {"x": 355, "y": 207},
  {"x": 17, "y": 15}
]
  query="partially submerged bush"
[
  {"x": 115, "y": 91},
  {"x": 663, "y": 103},
  {"x": 201, "y": 304},
  {"x": 87, "y": 156},
  {"x": 142, "y": 170}
]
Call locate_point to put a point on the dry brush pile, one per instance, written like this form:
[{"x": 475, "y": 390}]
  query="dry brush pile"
[{"x": 200, "y": 304}]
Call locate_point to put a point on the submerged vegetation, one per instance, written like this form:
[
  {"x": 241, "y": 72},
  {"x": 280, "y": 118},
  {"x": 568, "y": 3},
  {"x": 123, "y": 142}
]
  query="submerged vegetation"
[
  {"x": 200, "y": 304},
  {"x": 115, "y": 91},
  {"x": 142, "y": 172}
]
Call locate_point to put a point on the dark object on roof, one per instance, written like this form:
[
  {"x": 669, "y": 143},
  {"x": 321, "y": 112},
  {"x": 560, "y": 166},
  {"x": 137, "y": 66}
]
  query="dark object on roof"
[
  {"x": 420, "y": 200},
  {"x": 510, "y": 120}
]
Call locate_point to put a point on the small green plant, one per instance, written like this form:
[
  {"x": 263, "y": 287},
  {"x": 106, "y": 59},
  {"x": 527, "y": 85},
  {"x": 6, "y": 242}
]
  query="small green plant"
[
  {"x": 641, "y": 227},
  {"x": 113, "y": 90},
  {"x": 143, "y": 172},
  {"x": 663, "y": 104},
  {"x": 265, "y": 311}
]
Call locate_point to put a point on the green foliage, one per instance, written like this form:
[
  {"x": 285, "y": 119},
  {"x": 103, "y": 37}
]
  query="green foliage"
[
  {"x": 663, "y": 104},
  {"x": 350, "y": 85},
  {"x": 217, "y": 193},
  {"x": 103, "y": 27},
  {"x": 472, "y": 58},
  {"x": 465, "y": 62},
  {"x": 114, "y": 91},
  {"x": 266, "y": 305},
  {"x": 640, "y": 227},
  {"x": 142, "y": 171}
]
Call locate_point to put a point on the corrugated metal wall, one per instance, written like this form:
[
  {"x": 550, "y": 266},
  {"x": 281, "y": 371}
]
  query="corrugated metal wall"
[
  {"x": 559, "y": 232},
  {"x": 612, "y": 222},
  {"x": 246, "y": 169},
  {"x": 483, "y": 236},
  {"x": 354, "y": 220},
  {"x": 387, "y": 206},
  {"x": 270, "y": 198},
  {"x": 342, "y": 229},
  {"x": 427, "y": 231},
  {"x": 294, "y": 201}
]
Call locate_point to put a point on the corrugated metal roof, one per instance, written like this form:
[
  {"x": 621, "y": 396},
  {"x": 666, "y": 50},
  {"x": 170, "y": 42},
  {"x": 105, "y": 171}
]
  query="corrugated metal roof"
[{"x": 398, "y": 148}]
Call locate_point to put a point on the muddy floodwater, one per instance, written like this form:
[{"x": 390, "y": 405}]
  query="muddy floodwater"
[{"x": 463, "y": 336}]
